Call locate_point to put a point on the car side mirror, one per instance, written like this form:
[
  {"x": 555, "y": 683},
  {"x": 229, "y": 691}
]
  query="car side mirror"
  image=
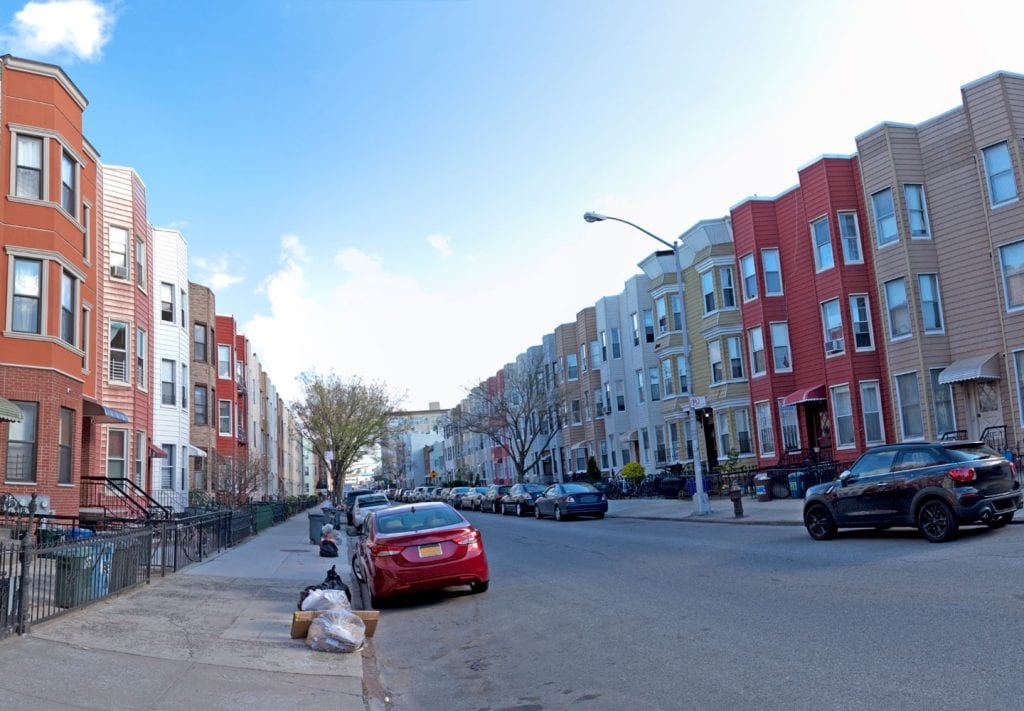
[{"x": 846, "y": 477}]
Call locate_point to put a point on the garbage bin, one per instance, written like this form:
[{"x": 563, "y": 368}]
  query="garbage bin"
[
  {"x": 99, "y": 580},
  {"x": 128, "y": 557},
  {"x": 74, "y": 576},
  {"x": 796, "y": 485},
  {"x": 762, "y": 487},
  {"x": 316, "y": 524}
]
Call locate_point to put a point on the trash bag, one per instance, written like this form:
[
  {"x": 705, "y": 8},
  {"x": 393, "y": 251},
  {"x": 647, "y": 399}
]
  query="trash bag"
[
  {"x": 326, "y": 600},
  {"x": 327, "y": 531},
  {"x": 328, "y": 548},
  {"x": 333, "y": 581},
  {"x": 336, "y": 630}
]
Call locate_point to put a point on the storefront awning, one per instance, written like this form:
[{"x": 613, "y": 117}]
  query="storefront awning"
[
  {"x": 102, "y": 413},
  {"x": 983, "y": 367},
  {"x": 155, "y": 451},
  {"x": 194, "y": 451},
  {"x": 9, "y": 412},
  {"x": 805, "y": 395}
]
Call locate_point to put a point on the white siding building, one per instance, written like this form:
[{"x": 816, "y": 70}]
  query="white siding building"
[{"x": 170, "y": 371}]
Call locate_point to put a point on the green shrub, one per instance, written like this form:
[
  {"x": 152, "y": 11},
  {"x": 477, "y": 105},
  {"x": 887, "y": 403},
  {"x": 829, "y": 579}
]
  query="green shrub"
[
  {"x": 593, "y": 471},
  {"x": 633, "y": 470}
]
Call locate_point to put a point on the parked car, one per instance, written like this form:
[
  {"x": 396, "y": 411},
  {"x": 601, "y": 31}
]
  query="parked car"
[
  {"x": 573, "y": 499},
  {"x": 364, "y": 505},
  {"x": 492, "y": 499},
  {"x": 935, "y": 487},
  {"x": 420, "y": 493},
  {"x": 519, "y": 499},
  {"x": 419, "y": 547},
  {"x": 455, "y": 496},
  {"x": 473, "y": 498},
  {"x": 350, "y": 499}
]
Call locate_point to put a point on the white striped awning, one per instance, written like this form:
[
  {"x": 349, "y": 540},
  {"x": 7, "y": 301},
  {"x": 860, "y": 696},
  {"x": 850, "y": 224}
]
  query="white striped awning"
[{"x": 983, "y": 367}]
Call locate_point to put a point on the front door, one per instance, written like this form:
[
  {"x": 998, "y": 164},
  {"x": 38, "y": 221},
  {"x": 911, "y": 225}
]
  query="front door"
[{"x": 984, "y": 399}]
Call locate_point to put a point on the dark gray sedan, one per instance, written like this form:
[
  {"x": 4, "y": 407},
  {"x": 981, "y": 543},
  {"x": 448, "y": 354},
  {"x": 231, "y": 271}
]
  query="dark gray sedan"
[{"x": 565, "y": 500}]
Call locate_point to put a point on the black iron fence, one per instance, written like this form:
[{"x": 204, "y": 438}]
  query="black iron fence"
[{"x": 50, "y": 565}]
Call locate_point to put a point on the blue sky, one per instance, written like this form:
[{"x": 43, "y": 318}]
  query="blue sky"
[{"x": 394, "y": 189}]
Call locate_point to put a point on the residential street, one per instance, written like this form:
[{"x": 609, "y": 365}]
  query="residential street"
[{"x": 639, "y": 614}]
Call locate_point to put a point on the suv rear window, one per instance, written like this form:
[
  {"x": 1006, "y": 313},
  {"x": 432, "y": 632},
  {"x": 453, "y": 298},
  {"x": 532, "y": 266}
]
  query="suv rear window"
[
  {"x": 971, "y": 450},
  {"x": 371, "y": 500}
]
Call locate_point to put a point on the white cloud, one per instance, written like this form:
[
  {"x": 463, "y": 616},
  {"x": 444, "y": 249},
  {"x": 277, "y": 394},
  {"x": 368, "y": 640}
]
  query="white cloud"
[
  {"x": 441, "y": 243},
  {"x": 76, "y": 28},
  {"x": 214, "y": 272}
]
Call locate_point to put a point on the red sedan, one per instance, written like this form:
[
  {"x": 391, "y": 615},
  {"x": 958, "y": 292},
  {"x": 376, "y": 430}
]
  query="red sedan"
[{"x": 416, "y": 547}]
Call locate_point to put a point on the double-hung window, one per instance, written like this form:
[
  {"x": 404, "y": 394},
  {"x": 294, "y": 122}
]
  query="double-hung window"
[
  {"x": 931, "y": 305},
  {"x": 118, "y": 252},
  {"x": 832, "y": 321},
  {"x": 732, "y": 344},
  {"x": 748, "y": 273},
  {"x": 765, "y": 430},
  {"x": 707, "y": 285},
  {"x": 823, "y": 258},
  {"x": 684, "y": 385},
  {"x": 772, "y": 272},
  {"x": 140, "y": 263},
  {"x": 28, "y": 296},
  {"x": 666, "y": 373},
  {"x": 662, "y": 310},
  {"x": 849, "y": 235},
  {"x": 616, "y": 343},
  {"x": 620, "y": 396},
  {"x": 743, "y": 439},
  {"x": 224, "y": 361},
  {"x": 909, "y": 396},
  {"x": 725, "y": 277},
  {"x": 782, "y": 361},
  {"x": 167, "y": 302},
  {"x": 715, "y": 357},
  {"x": 571, "y": 367},
  {"x": 871, "y": 412},
  {"x": 790, "y": 428},
  {"x": 677, "y": 312},
  {"x": 641, "y": 386},
  {"x": 65, "y": 444},
  {"x": 200, "y": 414},
  {"x": 199, "y": 342},
  {"x": 755, "y": 337},
  {"x": 648, "y": 326},
  {"x": 917, "y": 211},
  {"x": 1002, "y": 187},
  {"x": 69, "y": 184},
  {"x": 635, "y": 320},
  {"x": 842, "y": 412},
  {"x": 29, "y": 176},
  {"x": 68, "y": 307},
  {"x": 140, "y": 359},
  {"x": 167, "y": 382},
  {"x": 224, "y": 418},
  {"x": 899, "y": 310},
  {"x": 117, "y": 453},
  {"x": 655, "y": 383},
  {"x": 1012, "y": 258},
  {"x": 942, "y": 404},
  {"x": 118, "y": 352},
  {"x": 860, "y": 316},
  {"x": 885, "y": 217},
  {"x": 21, "y": 444}
]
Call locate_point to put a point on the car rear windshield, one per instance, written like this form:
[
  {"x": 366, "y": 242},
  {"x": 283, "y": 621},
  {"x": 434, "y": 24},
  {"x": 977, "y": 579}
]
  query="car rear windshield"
[
  {"x": 578, "y": 488},
  {"x": 371, "y": 500},
  {"x": 533, "y": 487},
  {"x": 409, "y": 521},
  {"x": 972, "y": 450}
]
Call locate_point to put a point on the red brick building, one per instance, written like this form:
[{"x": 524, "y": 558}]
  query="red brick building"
[
  {"x": 811, "y": 317},
  {"x": 48, "y": 222}
]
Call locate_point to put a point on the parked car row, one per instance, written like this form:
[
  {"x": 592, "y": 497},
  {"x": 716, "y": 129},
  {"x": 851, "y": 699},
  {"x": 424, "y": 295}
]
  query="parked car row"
[{"x": 559, "y": 501}]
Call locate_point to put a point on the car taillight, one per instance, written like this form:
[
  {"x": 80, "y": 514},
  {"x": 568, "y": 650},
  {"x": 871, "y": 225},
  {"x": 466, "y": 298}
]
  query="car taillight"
[
  {"x": 963, "y": 474},
  {"x": 381, "y": 550},
  {"x": 470, "y": 539}
]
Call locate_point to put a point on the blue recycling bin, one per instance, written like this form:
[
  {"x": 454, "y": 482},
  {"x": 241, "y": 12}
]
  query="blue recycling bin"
[
  {"x": 82, "y": 574},
  {"x": 79, "y": 534},
  {"x": 796, "y": 485}
]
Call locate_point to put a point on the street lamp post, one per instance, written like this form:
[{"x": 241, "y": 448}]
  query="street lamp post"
[{"x": 701, "y": 505}]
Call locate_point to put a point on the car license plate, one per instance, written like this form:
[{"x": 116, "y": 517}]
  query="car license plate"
[{"x": 430, "y": 551}]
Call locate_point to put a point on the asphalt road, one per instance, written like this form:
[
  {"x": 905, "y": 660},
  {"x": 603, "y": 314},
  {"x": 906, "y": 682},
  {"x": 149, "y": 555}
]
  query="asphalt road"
[{"x": 627, "y": 614}]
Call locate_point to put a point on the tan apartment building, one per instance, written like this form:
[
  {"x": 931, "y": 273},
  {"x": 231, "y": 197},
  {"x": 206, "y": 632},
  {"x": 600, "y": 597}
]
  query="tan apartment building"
[
  {"x": 947, "y": 233},
  {"x": 717, "y": 388},
  {"x": 203, "y": 380},
  {"x": 578, "y": 353}
]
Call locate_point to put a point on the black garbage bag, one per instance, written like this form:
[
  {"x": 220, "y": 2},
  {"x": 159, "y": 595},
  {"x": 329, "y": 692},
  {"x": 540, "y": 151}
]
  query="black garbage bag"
[
  {"x": 333, "y": 581},
  {"x": 328, "y": 548}
]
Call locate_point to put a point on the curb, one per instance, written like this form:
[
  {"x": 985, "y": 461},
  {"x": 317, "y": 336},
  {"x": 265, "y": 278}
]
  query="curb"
[{"x": 745, "y": 521}]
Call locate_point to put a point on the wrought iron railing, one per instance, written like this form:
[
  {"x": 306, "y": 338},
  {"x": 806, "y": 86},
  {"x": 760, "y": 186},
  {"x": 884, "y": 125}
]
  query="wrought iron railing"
[{"x": 121, "y": 498}]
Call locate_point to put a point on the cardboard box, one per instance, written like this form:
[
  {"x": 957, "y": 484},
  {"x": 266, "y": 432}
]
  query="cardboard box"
[{"x": 302, "y": 618}]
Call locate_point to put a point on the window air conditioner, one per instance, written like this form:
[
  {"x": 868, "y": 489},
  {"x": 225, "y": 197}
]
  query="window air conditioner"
[
  {"x": 119, "y": 272},
  {"x": 834, "y": 346}
]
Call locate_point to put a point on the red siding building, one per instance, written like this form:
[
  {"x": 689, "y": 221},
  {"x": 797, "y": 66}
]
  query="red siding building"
[{"x": 811, "y": 318}]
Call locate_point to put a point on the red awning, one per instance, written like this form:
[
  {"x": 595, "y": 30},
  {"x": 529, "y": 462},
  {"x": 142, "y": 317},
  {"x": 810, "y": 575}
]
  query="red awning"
[
  {"x": 155, "y": 451},
  {"x": 805, "y": 395}
]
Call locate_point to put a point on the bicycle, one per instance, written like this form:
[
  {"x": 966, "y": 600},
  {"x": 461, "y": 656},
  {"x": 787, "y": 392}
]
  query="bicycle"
[{"x": 193, "y": 543}]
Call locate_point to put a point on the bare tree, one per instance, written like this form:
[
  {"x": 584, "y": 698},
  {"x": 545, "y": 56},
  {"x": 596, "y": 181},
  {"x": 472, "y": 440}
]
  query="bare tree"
[
  {"x": 236, "y": 479},
  {"x": 343, "y": 420},
  {"x": 516, "y": 411}
]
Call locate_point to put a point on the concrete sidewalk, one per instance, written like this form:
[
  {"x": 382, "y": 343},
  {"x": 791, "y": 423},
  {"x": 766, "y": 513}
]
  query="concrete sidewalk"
[{"x": 213, "y": 636}]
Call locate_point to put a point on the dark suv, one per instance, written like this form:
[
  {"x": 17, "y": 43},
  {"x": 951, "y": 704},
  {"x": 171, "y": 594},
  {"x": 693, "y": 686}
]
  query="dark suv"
[{"x": 935, "y": 487}]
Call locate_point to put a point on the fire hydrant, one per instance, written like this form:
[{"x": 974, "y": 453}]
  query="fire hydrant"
[{"x": 736, "y": 496}]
